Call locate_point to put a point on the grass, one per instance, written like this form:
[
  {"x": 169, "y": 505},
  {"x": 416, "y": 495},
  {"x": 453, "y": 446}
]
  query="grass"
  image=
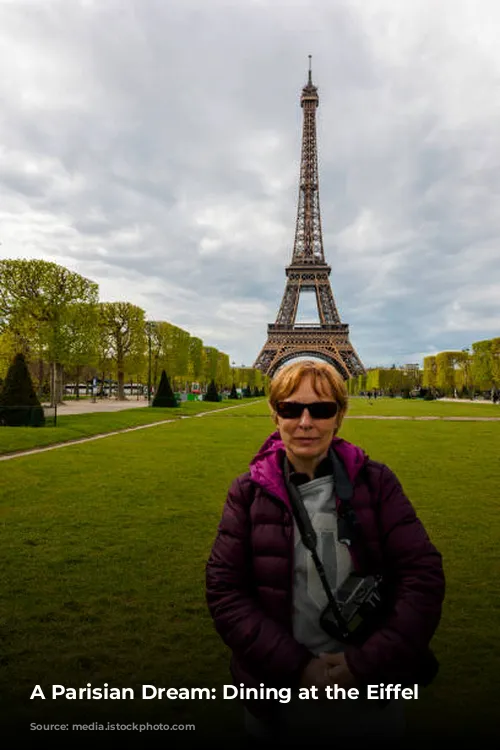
[
  {"x": 104, "y": 547},
  {"x": 418, "y": 408},
  {"x": 75, "y": 426}
]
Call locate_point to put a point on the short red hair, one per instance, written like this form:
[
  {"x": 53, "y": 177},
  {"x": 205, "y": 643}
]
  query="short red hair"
[{"x": 324, "y": 377}]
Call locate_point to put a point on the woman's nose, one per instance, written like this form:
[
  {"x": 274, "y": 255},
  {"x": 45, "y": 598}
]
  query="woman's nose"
[{"x": 305, "y": 418}]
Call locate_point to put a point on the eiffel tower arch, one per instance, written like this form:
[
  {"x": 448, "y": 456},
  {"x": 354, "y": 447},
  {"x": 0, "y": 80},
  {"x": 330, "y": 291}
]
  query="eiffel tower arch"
[
  {"x": 308, "y": 272},
  {"x": 282, "y": 358}
]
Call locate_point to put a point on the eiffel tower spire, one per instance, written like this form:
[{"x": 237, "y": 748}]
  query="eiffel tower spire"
[
  {"x": 308, "y": 271},
  {"x": 308, "y": 245}
]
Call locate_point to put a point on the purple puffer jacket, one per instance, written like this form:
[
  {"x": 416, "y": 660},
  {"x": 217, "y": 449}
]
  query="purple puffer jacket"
[{"x": 250, "y": 574}]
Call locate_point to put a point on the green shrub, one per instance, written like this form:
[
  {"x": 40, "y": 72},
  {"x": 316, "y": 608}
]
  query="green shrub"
[
  {"x": 164, "y": 396},
  {"x": 212, "y": 394},
  {"x": 19, "y": 404}
]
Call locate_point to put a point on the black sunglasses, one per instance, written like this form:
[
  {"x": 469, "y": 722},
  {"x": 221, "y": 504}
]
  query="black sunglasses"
[{"x": 317, "y": 410}]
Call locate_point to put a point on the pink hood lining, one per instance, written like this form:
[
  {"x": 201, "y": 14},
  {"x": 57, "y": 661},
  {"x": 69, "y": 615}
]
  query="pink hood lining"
[{"x": 265, "y": 467}]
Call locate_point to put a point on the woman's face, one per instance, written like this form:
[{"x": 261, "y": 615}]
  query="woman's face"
[{"x": 307, "y": 440}]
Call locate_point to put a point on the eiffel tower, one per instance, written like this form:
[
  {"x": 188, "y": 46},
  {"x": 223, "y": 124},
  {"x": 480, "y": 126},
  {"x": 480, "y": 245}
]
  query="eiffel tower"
[{"x": 308, "y": 271}]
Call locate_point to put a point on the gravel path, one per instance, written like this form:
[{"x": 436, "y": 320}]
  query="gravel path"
[{"x": 87, "y": 406}]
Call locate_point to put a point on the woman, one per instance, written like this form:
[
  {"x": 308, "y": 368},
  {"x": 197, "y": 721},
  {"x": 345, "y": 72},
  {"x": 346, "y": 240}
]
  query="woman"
[{"x": 264, "y": 590}]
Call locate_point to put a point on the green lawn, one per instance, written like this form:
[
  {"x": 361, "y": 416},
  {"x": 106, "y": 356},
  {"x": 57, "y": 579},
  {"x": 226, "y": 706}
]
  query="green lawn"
[
  {"x": 104, "y": 547},
  {"x": 73, "y": 427},
  {"x": 418, "y": 408}
]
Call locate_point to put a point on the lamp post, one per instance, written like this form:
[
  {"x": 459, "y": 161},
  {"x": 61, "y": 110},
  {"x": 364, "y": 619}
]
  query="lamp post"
[{"x": 148, "y": 331}]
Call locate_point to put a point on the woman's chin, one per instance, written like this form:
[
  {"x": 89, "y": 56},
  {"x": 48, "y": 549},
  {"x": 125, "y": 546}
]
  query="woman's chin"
[{"x": 306, "y": 452}]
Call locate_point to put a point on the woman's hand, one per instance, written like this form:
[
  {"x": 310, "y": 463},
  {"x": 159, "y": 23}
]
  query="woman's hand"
[
  {"x": 337, "y": 670},
  {"x": 315, "y": 674}
]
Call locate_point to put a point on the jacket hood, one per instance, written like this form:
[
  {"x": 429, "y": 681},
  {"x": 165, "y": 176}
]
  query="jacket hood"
[{"x": 266, "y": 466}]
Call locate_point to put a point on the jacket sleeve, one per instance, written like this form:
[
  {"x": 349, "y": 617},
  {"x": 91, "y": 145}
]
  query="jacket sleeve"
[
  {"x": 397, "y": 651},
  {"x": 253, "y": 636}
]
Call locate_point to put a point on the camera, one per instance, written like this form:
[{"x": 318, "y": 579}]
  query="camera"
[{"x": 359, "y": 603}]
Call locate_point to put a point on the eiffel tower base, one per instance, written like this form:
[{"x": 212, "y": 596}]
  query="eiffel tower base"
[{"x": 328, "y": 342}]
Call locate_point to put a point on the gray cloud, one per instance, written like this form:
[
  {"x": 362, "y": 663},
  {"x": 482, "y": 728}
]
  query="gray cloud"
[{"x": 154, "y": 147}]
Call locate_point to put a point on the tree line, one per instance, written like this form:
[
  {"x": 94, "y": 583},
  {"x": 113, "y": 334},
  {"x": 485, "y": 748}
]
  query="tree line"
[
  {"x": 53, "y": 316},
  {"x": 388, "y": 381},
  {"x": 462, "y": 373},
  {"x": 465, "y": 373}
]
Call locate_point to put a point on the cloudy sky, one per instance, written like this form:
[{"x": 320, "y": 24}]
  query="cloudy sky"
[{"x": 153, "y": 146}]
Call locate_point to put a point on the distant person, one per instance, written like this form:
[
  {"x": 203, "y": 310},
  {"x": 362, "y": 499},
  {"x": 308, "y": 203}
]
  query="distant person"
[{"x": 265, "y": 593}]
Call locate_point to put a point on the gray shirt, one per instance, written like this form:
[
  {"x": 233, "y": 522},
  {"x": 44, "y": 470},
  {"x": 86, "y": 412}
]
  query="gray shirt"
[{"x": 309, "y": 597}]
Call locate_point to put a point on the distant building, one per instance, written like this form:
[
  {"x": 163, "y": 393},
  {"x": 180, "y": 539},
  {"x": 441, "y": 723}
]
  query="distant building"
[{"x": 411, "y": 368}]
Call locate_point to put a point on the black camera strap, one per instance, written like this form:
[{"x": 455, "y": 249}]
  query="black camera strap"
[
  {"x": 347, "y": 522},
  {"x": 310, "y": 540},
  {"x": 348, "y": 527}
]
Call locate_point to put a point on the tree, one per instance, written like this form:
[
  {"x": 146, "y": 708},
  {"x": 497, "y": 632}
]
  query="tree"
[
  {"x": 445, "y": 371},
  {"x": 223, "y": 369},
  {"x": 123, "y": 338},
  {"x": 19, "y": 405},
  {"x": 164, "y": 396},
  {"x": 170, "y": 350},
  {"x": 362, "y": 379},
  {"x": 212, "y": 393},
  {"x": 195, "y": 369},
  {"x": 429, "y": 378},
  {"x": 481, "y": 365},
  {"x": 210, "y": 361},
  {"x": 8, "y": 351},
  {"x": 486, "y": 364},
  {"x": 463, "y": 374},
  {"x": 154, "y": 331},
  {"x": 234, "y": 392},
  {"x": 250, "y": 378},
  {"x": 373, "y": 379},
  {"x": 36, "y": 292},
  {"x": 495, "y": 362},
  {"x": 82, "y": 331},
  {"x": 181, "y": 340}
]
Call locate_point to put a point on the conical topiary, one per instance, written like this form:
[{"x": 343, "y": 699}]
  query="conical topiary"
[
  {"x": 19, "y": 405},
  {"x": 234, "y": 392},
  {"x": 212, "y": 394},
  {"x": 164, "y": 396},
  {"x": 256, "y": 392}
]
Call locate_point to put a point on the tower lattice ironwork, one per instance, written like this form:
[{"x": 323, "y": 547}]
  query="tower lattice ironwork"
[{"x": 329, "y": 338}]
